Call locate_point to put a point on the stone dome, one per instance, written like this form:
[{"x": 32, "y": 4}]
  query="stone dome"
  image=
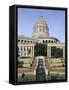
[{"x": 40, "y": 28}]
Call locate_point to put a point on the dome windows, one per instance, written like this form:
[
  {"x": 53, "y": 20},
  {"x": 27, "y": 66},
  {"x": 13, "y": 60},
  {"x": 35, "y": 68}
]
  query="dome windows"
[{"x": 40, "y": 28}]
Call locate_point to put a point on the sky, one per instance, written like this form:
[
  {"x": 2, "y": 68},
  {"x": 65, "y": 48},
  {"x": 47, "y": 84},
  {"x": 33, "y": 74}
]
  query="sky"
[{"x": 55, "y": 20}]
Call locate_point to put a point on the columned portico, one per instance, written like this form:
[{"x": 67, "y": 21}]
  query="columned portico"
[
  {"x": 57, "y": 45},
  {"x": 40, "y": 35},
  {"x": 24, "y": 49}
]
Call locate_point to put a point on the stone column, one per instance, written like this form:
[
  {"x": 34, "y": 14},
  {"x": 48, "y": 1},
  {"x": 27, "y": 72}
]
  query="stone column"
[
  {"x": 64, "y": 52},
  {"x": 49, "y": 51},
  {"x": 26, "y": 50},
  {"x": 33, "y": 50},
  {"x": 23, "y": 50}
]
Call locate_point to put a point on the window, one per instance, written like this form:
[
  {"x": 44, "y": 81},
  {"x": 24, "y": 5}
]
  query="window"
[
  {"x": 21, "y": 41},
  {"x": 28, "y": 41},
  {"x": 49, "y": 41},
  {"x": 25, "y": 41},
  {"x": 31, "y": 41},
  {"x": 54, "y": 41},
  {"x": 46, "y": 41},
  {"x": 18, "y": 41},
  {"x": 42, "y": 29},
  {"x": 43, "y": 41}
]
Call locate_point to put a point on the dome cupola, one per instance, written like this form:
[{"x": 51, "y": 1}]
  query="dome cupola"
[{"x": 40, "y": 28}]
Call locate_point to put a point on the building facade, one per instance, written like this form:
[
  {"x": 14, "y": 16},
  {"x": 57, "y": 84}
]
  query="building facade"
[{"x": 40, "y": 35}]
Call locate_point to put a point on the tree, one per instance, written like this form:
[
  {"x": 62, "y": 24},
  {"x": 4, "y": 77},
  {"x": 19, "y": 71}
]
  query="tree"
[
  {"x": 40, "y": 49},
  {"x": 56, "y": 52}
]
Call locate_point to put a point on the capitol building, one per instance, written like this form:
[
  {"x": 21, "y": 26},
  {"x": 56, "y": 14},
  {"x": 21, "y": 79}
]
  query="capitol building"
[{"x": 53, "y": 67}]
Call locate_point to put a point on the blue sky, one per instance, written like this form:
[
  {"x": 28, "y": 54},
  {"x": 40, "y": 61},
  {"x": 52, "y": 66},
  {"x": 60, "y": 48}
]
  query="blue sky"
[{"x": 55, "y": 20}]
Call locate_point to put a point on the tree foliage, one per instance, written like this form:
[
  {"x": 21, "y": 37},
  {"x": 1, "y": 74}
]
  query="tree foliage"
[
  {"x": 56, "y": 52},
  {"x": 40, "y": 49}
]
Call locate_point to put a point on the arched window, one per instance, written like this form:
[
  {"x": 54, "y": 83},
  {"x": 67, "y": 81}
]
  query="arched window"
[
  {"x": 28, "y": 41},
  {"x": 31, "y": 41},
  {"x": 18, "y": 41},
  {"x": 21, "y": 41},
  {"x": 25, "y": 41},
  {"x": 49, "y": 41},
  {"x": 54, "y": 41},
  {"x": 43, "y": 41},
  {"x": 46, "y": 41}
]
